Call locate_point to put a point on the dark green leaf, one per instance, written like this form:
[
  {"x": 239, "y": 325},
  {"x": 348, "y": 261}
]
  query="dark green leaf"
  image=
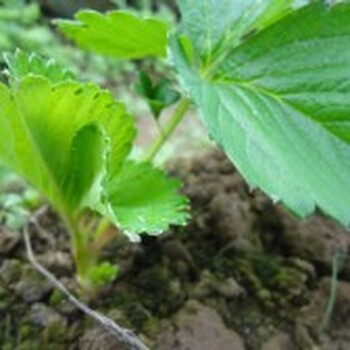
[
  {"x": 144, "y": 87},
  {"x": 278, "y": 104},
  {"x": 159, "y": 96}
]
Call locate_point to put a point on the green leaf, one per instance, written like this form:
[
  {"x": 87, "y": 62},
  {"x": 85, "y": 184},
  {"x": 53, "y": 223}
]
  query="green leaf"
[
  {"x": 86, "y": 160},
  {"x": 158, "y": 96},
  {"x": 21, "y": 64},
  {"x": 164, "y": 93},
  {"x": 117, "y": 33},
  {"x": 144, "y": 87},
  {"x": 55, "y": 134},
  {"x": 212, "y": 24},
  {"x": 278, "y": 104},
  {"x": 142, "y": 199},
  {"x": 103, "y": 273}
]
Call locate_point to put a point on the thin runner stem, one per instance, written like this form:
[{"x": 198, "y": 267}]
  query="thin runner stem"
[
  {"x": 336, "y": 265},
  {"x": 124, "y": 336},
  {"x": 168, "y": 130}
]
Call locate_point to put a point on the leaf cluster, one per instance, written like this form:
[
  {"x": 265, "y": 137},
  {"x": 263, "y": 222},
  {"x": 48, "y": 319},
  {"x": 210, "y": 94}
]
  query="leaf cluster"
[
  {"x": 71, "y": 140},
  {"x": 271, "y": 82}
]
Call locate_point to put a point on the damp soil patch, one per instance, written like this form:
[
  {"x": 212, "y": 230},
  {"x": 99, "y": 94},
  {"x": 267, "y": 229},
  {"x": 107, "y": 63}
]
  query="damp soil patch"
[{"x": 243, "y": 274}]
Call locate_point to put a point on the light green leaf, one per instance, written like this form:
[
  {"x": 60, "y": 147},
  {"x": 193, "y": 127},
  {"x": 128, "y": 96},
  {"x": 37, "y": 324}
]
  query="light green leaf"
[
  {"x": 86, "y": 160},
  {"x": 278, "y": 104},
  {"x": 117, "y": 33},
  {"x": 21, "y": 64},
  {"x": 54, "y": 135},
  {"x": 103, "y": 273},
  {"x": 142, "y": 199}
]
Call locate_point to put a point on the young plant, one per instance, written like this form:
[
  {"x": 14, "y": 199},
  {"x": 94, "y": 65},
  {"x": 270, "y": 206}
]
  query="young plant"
[
  {"x": 270, "y": 80},
  {"x": 71, "y": 141},
  {"x": 271, "y": 83}
]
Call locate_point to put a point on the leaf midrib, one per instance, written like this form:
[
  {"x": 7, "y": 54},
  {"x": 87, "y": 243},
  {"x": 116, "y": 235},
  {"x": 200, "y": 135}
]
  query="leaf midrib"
[
  {"x": 222, "y": 50},
  {"x": 258, "y": 89},
  {"x": 37, "y": 150}
]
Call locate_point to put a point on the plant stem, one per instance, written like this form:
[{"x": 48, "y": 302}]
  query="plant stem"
[
  {"x": 333, "y": 292},
  {"x": 102, "y": 227},
  {"x": 125, "y": 336},
  {"x": 84, "y": 259},
  {"x": 168, "y": 129}
]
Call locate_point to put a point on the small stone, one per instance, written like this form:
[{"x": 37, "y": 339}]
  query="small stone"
[
  {"x": 209, "y": 285},
  {"x": 204, "y": 287},
  {"x": 198, "y": 327},
  {"x": 8, "y": 240},
  {"x": 229, "y": 289}
]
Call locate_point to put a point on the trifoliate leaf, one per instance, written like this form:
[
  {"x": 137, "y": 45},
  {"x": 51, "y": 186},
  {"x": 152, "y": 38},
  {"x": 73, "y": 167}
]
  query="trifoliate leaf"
[
  {"x": 117, "y": 33},
  {"x": 141, "y": 199},
  {"x": 56, "y": 134},
  {"x": 21, "y": 64},
  {"x": 278, "y": 104}
]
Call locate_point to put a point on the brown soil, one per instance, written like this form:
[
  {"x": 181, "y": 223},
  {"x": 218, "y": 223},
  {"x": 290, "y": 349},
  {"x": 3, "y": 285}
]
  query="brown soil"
[{"x": 243, "y": 274}]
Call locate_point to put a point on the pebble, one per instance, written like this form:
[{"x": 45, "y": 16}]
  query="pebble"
[{"x": 198, "y": 327}]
